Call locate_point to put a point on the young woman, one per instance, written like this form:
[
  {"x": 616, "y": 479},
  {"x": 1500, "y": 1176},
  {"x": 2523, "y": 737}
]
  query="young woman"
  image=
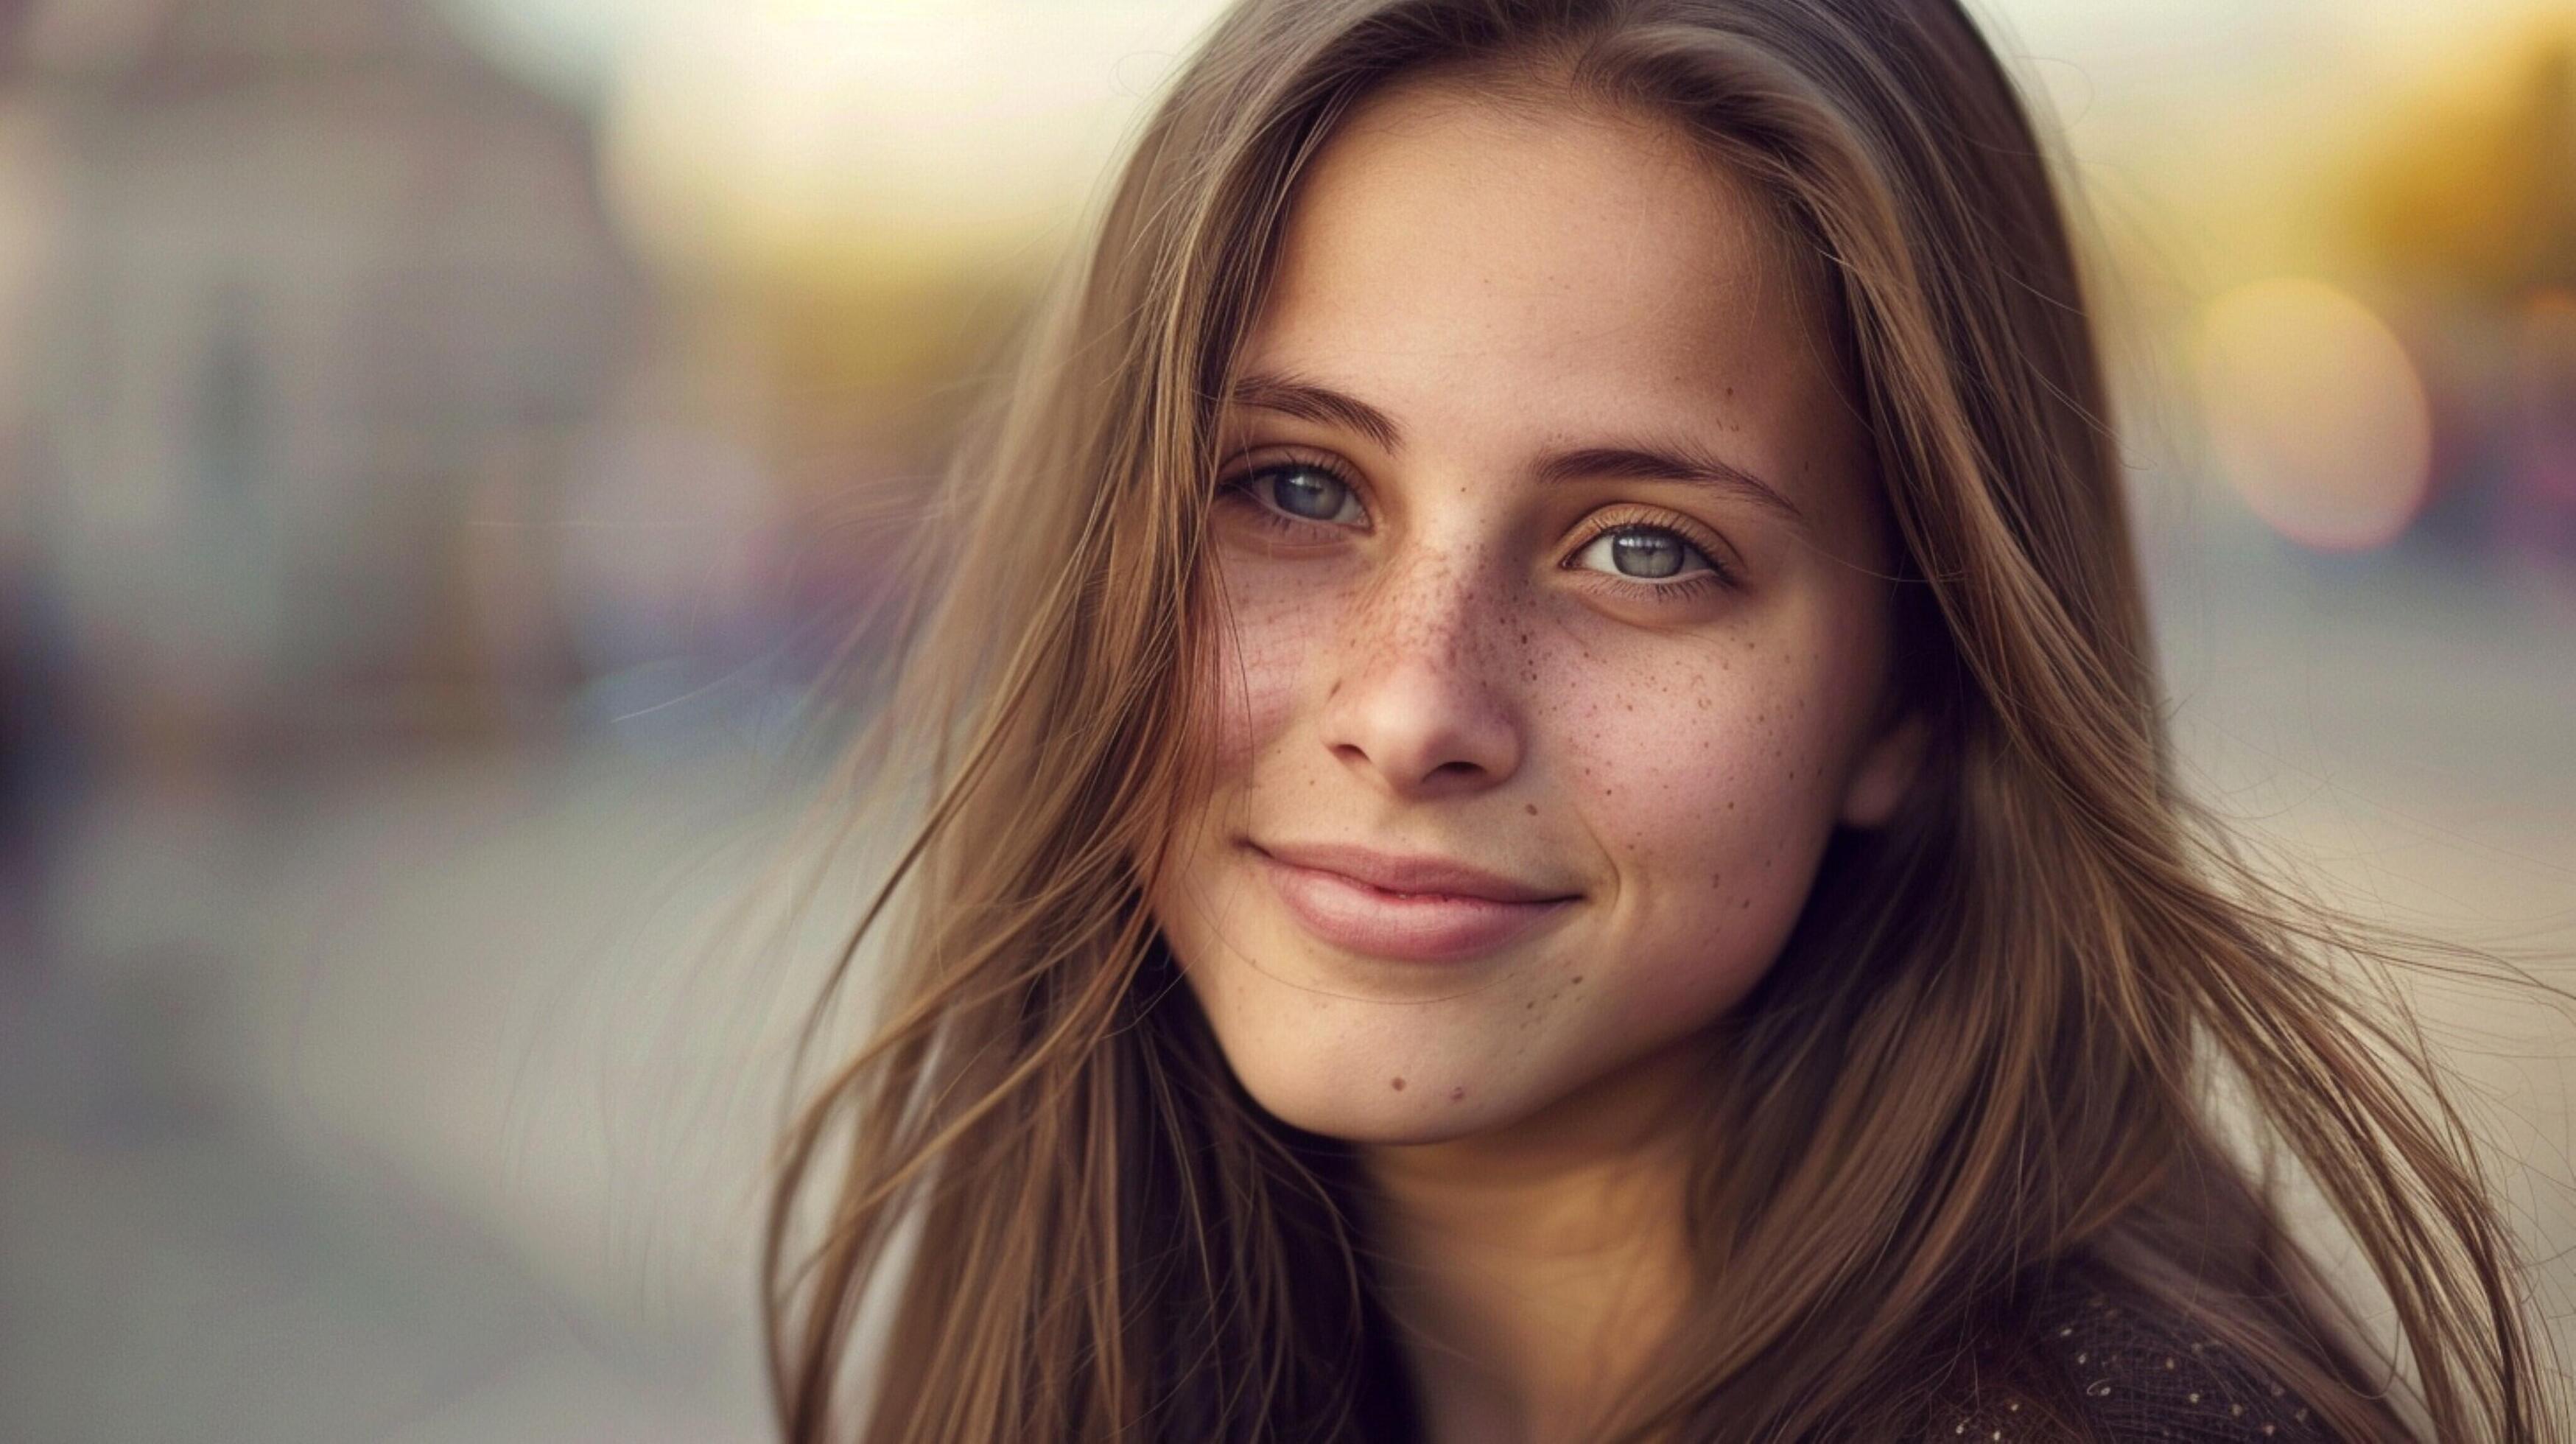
[{"x": 1547, "y": 814}]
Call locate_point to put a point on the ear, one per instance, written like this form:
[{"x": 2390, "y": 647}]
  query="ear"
[{"x": 1885, "y": 771}]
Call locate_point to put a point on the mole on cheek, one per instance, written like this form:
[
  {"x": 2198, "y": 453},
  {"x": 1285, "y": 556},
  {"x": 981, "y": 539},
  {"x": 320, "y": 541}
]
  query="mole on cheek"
[{"x": 1396, "y": 1083}]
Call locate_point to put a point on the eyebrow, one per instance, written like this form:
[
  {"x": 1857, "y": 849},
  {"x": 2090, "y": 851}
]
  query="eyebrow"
[{"x": 1624, "y": 461}]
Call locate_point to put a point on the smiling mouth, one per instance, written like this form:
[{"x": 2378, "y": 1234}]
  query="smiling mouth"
[{"x": 1408, "y": 909}]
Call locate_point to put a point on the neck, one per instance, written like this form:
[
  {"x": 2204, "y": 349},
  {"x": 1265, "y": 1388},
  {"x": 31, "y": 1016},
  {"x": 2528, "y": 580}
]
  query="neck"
[{"x": 1532, "y": 1271}]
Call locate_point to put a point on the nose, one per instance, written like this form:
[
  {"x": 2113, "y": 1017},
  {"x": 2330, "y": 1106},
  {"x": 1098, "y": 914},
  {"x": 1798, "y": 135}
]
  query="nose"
[{"x": 1416, "y": 701}]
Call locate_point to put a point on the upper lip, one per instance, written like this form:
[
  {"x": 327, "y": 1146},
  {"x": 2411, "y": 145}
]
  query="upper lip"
[{"x": 1410, "y": 872}]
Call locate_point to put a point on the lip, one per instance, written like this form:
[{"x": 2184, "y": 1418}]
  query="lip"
[{"x": 1413, "y": 908}]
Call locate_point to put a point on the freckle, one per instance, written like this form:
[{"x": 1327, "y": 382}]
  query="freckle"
[
  {"x": 1397, "y": 1084},
  {"x": 1578, "y": 977},
  {"x": 1748, "y": 907},
  {"x": 1531, "y": 808}
]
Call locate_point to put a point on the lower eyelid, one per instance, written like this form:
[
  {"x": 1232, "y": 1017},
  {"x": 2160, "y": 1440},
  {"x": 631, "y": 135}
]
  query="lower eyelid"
[
  {"x": 1270, "y": 518},
  {"x": 1687, "y": 591}
]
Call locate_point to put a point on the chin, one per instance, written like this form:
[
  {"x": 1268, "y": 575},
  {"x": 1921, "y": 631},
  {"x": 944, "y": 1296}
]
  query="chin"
[
  {"x": 1370, "y": 1110},
  {"x": 1383, "y": 1124}
]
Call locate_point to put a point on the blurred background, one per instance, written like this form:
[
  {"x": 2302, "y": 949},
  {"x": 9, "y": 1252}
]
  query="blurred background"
[{"x": 431, "y": 442}]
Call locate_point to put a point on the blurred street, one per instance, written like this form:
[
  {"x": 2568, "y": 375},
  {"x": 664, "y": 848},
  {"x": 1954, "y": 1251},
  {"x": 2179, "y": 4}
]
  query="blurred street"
[{"x": 397, "y": 1104}]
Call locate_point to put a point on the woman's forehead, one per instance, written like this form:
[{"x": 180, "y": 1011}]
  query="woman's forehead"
[{"x": 1585, "y": 221}]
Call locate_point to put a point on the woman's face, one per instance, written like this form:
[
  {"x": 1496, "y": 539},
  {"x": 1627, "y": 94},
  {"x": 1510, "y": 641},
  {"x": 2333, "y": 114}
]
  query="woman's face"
[{"x": 1556, "y": 625}]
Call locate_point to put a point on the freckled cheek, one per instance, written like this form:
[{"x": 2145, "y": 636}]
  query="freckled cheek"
[
  {"x": 1692, "y": 759},
  {"x": 1705, "y": 772}
]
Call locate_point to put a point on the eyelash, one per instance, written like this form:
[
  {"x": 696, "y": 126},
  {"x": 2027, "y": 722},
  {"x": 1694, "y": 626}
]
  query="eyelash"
[{"x": 1694, "y": 584}]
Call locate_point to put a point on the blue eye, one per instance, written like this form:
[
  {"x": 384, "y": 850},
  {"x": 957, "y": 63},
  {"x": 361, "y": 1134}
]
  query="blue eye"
[
  {"x": 1304, "y": 491},
  {"x": 1643, "y": 553}
]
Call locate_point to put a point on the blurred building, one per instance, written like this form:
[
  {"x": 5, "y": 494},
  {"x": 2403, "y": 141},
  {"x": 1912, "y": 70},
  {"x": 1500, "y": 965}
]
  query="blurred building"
[{"x": 305, "y": 303}]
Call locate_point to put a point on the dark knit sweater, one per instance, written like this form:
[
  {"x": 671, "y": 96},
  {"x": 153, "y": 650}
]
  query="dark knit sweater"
[{"x": 2135, "y": 1374}]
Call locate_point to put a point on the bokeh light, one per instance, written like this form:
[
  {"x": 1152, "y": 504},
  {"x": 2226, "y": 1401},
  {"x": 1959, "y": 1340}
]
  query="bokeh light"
[{"x": 2315, "y": 414}]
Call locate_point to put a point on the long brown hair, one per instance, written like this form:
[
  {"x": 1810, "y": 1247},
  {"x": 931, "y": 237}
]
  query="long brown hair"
[{"x": 1036, "y": 1205}]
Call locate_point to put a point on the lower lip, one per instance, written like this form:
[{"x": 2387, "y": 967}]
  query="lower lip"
[{"x": 1411, "y": 927}]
